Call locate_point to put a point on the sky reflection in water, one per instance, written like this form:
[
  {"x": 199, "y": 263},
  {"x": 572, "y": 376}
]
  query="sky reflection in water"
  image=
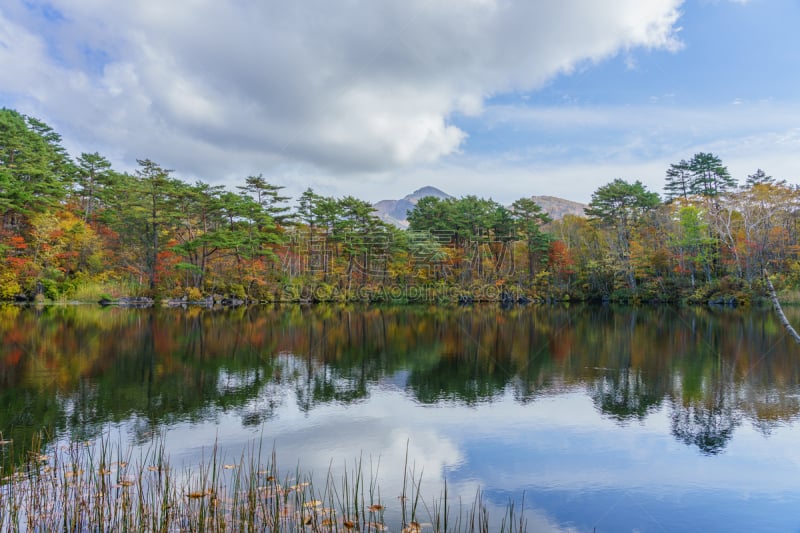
[{"x": 615, "y": 419}]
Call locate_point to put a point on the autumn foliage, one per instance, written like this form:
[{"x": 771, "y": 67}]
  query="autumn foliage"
[{"x": 66, "y": 224}]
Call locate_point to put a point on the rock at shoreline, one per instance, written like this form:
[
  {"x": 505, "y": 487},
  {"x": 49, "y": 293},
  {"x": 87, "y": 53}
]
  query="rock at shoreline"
[{"x": 137, "y": 301}]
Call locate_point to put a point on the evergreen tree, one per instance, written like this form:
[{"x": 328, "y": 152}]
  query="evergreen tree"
[
  {"x": 709, "y": 177},
  {"x": 156, "y": 193},
  {"x": 758, "y": 178},
  {"x": 529, "y": 218},
  {"x": 679, "y": 181},
  {"x": 33, "y": 168},
  {"x": 268, "y": 197},
  {"x": 621, "y": 203},
  {"x": 92, "y": 176}
]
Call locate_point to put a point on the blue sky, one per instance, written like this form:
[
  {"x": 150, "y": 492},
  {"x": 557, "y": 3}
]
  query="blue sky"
[{"x": 500, "y": 98}]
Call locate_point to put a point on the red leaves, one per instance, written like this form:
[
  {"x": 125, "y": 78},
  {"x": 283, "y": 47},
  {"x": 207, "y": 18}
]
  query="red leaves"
[
  {"x": 18, "y": 243},
  {"x": 560, "y": 258}
]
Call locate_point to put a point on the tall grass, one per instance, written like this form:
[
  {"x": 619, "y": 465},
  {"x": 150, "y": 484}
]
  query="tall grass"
[
  {"x": 95, "y": 290},
  {"x": 101, "y": 487}
]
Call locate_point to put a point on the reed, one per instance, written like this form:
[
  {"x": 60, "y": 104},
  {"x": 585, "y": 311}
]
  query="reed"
[{"x": 102, "y": 487}]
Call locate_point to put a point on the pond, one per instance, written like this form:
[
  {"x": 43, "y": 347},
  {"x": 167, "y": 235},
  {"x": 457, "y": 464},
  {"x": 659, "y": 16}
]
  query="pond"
[{"x": 592, "y": 418}]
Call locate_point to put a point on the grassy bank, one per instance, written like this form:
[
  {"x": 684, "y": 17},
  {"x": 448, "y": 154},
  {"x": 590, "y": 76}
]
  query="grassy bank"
[{"x": 100, "y": 487}]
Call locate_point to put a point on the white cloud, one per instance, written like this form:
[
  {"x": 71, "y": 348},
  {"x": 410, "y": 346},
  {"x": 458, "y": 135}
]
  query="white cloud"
[{"x": 218, "y": 89}]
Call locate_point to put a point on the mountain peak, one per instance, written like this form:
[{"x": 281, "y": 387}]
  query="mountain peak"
[
  {"x": 396, "y": 211},
  {"x": 428, "y": 191}
]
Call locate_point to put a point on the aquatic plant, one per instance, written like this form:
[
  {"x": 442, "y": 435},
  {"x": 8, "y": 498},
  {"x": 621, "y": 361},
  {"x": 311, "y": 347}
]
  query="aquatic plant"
[{"x": 99, "y": 486}]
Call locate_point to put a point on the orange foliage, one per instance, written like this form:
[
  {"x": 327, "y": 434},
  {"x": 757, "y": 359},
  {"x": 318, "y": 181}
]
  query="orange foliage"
[
  {"x": 561, "y": 258},
  {"x": 18, "y": 243}
]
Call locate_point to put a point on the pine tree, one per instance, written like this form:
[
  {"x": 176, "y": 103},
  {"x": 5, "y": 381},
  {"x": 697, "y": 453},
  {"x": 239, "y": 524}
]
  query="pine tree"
[
  {"x": 758, "y": 178},
  {"x": 679, "y": 181},
  {"x": 709, "y": 177}
]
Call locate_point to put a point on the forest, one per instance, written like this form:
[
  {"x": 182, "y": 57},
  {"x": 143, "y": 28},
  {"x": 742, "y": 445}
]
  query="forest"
[{"x": 74, "y": 228}]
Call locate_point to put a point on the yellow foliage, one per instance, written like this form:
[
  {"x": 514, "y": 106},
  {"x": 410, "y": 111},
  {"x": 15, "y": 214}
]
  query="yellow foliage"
[
  {"x": 9, "y": 286},
  {"x": 194, "y": 294}
]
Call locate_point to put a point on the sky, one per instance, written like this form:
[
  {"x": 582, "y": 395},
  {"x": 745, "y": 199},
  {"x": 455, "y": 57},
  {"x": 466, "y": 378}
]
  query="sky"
[{"x": 496, "y": 98}]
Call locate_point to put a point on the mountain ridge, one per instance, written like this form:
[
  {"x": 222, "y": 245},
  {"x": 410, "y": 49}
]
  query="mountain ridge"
[{"x": 395, "y": 212}]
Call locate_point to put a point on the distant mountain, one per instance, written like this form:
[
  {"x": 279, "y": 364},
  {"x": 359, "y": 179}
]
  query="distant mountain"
[
  {"x": 558, "y": 207},
  {"x": 396, "y": 211}
]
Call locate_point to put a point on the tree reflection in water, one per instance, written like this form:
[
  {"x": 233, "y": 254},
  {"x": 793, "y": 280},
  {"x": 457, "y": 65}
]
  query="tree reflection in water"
[{"x": 73, "y": 369}]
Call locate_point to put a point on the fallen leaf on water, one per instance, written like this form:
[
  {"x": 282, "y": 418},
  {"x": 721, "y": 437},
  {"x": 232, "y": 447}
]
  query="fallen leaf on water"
[
  {"x": 349, "y": 524},
  {"x": 376, "y": 508},
  {"x": 197, "y": 494},
  {"x": 228, "y": 467},
  {"x": 413, "y": 527}
]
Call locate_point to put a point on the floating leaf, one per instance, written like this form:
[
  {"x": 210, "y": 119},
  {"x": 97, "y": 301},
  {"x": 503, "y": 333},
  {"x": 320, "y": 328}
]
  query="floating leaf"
[
  {"x": 376, "y": 508},
  {"x": 228, "y": 467},
  {"x": 197, "y": 494},
  {"x": 413, "y": 527},
  {"x": 349, "y": 524}
]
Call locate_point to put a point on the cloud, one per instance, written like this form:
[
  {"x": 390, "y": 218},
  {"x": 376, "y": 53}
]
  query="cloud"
[
  {"x": 219, "y": 89},
  {"x": 570, "y": 151}
]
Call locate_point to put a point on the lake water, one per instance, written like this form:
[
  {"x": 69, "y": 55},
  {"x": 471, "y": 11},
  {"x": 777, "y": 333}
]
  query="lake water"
[{"x": 606, "y": 419}]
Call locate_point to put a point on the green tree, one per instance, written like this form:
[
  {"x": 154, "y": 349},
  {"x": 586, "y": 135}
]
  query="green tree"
[
  {"x": 759, "y": 177},
  {"x": 152, "y": 204},
  {"x": 363, "y": 237},
  {"x": 201, "y": 230},
  {"x": 268, "y": 197},
  {"x": 679, "y": 181},
  {"x": 695, "y": 248},
  {"x": 621, "y": 203},
  {"x": 33, "y": 168},
  {"x": 710, "y": 178},
  {"x": 529, "y": 218},
  {"x": 92, "y": 176},
  {"x": 620, "y": 206}
]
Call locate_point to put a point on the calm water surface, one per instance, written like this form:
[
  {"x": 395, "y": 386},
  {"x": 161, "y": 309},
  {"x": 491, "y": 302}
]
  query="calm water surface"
[{"x": 604, "y": 419}]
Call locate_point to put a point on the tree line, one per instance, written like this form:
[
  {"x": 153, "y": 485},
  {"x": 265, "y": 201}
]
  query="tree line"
[{"x": 77, "y": 228}]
